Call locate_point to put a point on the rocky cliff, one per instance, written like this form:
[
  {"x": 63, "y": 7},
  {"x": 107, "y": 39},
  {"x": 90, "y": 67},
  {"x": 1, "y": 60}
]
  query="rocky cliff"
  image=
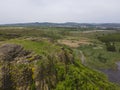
[{"x": 22, "y": 69}]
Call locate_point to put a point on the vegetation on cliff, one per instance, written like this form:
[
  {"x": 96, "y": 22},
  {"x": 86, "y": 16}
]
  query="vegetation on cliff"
[
  {"x": 41, "y": 65},
  {"x": 32, "y": 59}
]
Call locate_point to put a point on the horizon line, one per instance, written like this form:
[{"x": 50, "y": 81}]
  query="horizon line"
[{"x": 63, "y": 23}]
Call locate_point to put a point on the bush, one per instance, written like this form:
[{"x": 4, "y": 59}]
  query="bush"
[{"x": 110, "y": 47}]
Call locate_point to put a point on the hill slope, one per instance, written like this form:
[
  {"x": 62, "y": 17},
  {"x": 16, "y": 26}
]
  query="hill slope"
[{"x": 41, "y": 65}]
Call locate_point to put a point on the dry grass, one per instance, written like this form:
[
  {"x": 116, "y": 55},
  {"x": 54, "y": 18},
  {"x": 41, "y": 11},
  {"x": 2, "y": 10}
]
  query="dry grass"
[{"x": 74, "y": 43}]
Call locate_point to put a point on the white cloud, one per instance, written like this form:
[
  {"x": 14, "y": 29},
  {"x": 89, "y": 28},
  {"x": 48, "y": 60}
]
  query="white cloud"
[{"x": 12, "y": 11}]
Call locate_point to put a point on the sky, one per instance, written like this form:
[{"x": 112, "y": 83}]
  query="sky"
[{"x": 59, "y": 11}]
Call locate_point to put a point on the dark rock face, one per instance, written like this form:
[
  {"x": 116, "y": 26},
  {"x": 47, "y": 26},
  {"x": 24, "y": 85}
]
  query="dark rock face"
[
  {"x": 13, "y": 53},
  {"x": 15, "y": 72},
  {"x": 6, "y": 82},
  {"x": 19, "y": 70},
  {"x": 9, "y": 52}
]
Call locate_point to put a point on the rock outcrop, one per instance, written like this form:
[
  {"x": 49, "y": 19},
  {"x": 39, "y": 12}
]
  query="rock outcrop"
[
  {"x": 22, "y": 69},
  {"x": 15, "y": 72}
]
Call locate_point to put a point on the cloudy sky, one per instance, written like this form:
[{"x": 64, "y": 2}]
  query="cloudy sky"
[{"x": 82, "y": 11}]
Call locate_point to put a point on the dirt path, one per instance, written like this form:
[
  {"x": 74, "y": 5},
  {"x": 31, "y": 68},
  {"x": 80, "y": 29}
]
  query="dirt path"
[
  {"x": 118, "y": 64},
  {"x": 82, "y": 57}
]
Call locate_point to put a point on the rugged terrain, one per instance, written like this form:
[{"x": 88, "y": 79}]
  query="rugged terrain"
[
  {"x": 36, "y": 60},
  {"x": 60, "y": 70}
]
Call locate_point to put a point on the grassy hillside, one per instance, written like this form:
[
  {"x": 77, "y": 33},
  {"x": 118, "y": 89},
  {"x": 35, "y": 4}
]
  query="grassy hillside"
[
  {"x": 32, "y": 59},
  {"x": 56, "y": 69}
]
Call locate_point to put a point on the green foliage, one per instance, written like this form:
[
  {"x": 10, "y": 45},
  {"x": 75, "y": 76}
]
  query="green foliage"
[
  {"x": 110, "y": 37},
  {"x": 33, "y": 87},
  {"x": 82, "y": 78},
  {"x": 40, "y": 47},
  {"x": 110, "y": 47},
  {"x": 59, "y": 67},
  {"x": 102, "y": 58},
  {"x": 98, "y": 57}
]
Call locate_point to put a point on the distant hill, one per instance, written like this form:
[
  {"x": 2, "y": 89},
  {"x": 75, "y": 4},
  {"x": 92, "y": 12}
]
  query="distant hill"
[{"x": 69, "y": 24}]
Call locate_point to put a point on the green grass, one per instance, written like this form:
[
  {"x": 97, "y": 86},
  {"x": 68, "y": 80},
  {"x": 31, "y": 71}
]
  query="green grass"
[
  {"x": 99, "y": 57},
  {"x": 68, "y": 75},
  {"x": 16, "y": 34},
  {"x": 39, "y": 47}
]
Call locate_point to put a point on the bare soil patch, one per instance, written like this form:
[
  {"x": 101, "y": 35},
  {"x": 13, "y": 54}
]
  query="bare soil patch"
[{"x": 74, "y": 43}]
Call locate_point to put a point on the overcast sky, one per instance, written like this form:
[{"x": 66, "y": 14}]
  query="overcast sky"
[{"x": 82, "y": 11}]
